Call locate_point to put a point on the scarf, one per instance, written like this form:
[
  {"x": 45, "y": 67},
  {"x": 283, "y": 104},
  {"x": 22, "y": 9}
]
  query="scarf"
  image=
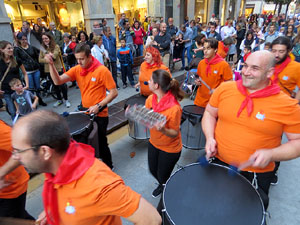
[
  {"x": 213, "y": 61},
  {"x": 78, "y": 159},
  {"x": 151, "y": 66},
  {"x": 246, "y": 56},
  {"x": 72, "y": 46},
  {"x": 91, "y": 68},
  {"x": 166, "y": 102},
  {"x": 280, "y": 68},
  {"x": 249, "y": 42},
  {"x": 270, "y": 90}
]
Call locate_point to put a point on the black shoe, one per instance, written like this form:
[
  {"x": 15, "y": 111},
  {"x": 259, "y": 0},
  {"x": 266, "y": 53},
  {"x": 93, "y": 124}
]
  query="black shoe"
[
  {"x": 157, "y": 191},
  {"x": 274, "y": 180},
  {"x": 42, "y": 103},
  {"x": 182, "y": 68},
  {"x": 124, "y": 86}
]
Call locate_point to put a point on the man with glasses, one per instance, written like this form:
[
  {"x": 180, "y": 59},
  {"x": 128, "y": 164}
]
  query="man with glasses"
[
  {"x": 13, "y": 179},
  {"x": 78, "y": 188}
]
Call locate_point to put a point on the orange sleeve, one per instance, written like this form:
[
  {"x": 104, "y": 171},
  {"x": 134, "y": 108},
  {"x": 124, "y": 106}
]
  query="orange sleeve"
[
  {"x": 120, "y": 200},
  {"x": 72, "y": 73},
  {"x": 174, "y": 123},
  {"x": 292, "y": 123},
  {"x": 5, "y": 137}
]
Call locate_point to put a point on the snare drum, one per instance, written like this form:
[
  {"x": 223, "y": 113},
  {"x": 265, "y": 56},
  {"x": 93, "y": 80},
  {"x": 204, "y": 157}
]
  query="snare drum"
[
  {"x": 209, "y": 195},
  {"x": 137, "y": 130},
  {"x": 80, "y": 126},
  {"x": 191, "y": 129}
]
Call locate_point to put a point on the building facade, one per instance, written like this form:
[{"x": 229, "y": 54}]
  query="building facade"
[{"x": 81, "y": 14}]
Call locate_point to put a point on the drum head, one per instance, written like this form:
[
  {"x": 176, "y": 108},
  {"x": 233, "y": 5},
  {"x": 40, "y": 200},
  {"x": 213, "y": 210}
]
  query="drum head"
[
  {"x": 193, "y": 109},
  {"x": 78, "y": 123},
  {"x": 208, "y": 195},
  {"x": 138, "y": 100}
]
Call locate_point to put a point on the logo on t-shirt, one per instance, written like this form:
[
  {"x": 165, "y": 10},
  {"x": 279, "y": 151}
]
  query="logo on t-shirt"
[
  {"x": 93, "y": 79},
  {"x": 260, "y": 116},
  {"x": 215, "y": 71},
  {"x": 285, "y": 78},
  {"x": 69, "y": 208}
]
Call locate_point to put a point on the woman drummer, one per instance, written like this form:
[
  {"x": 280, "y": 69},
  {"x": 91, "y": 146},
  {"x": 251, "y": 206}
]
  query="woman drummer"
[
  {"x": 165, "y": 145},
  {"x": 152, "y": 62}
]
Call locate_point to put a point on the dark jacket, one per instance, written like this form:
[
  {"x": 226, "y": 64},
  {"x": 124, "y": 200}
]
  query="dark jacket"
[
  {"x": 57, "y": 37},
  {"x": 164, "y": 42},
  {"x": 125, "y": 56},
  {"x": 69, "y": 60},
  {"x": 110, "y": 45},
  {"x": 13, "y": 73},
  {"x": 172, "y": 30},
  {"x": 29, "y": 57},
  {"x": 216, "y": 35}
]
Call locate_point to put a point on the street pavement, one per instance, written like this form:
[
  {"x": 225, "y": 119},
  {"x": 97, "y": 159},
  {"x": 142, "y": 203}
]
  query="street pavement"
[{"x": 284, "y": 198}]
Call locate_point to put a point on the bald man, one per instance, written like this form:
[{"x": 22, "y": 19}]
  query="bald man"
[
  {"x": 244, "y": 122},
  {"x": 75, "y": 181},
  {"x": 162, "y": 43}
]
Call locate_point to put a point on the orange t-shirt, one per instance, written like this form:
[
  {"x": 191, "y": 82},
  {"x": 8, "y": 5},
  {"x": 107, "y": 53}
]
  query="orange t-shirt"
[
  {"x": 219, "y": 72},
  {"x": 99, "y": 197},
  {"x": 289, "y": 77},
  {"x": 239, "y": 137},
  {"x": 145, "y": 75},
  {"x": 19, "y": 176},
  {"x": 93, "y": 86},
  {"x": 221, "y": 51},
  {"x": 161, "y": 141}
]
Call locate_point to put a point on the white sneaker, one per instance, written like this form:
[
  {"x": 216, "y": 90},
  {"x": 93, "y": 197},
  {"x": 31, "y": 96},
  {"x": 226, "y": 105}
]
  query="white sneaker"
[
  {"x": 57, "y": 103},
  {"x": 67, "y": 104}
]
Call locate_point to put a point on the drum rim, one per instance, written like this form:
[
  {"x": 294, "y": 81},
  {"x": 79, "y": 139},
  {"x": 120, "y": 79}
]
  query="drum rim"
[
  {"x": 215, "y": 164},
  {"x": 190, "y": 113},
  {"x": 83, "y": 128}
]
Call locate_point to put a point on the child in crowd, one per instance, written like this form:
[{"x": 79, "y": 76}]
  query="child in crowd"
[
  {"x": 25, "y": 102},
  {"x": 178, "y": 47},
  {"x": 281, "y": 31},
  {"x": 126, "y": 60},
  {"x": 247, "y": 52},
  {"x": 267, "y": 46}
]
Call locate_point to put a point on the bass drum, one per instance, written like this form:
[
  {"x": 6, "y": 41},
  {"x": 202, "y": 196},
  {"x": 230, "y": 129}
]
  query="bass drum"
[{"x": 210, "y": 195}]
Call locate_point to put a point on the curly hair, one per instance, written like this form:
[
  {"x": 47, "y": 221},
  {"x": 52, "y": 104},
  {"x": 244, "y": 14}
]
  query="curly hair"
[{"x": 155, "y": 55}]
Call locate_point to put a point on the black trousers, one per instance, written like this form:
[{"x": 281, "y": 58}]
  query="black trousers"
[
  {"x": 14, "y": 207},
  {"x": 104, "y": 151},
  {"x": 263, "y": 182},
  {"x": 113, "y": 68},
  {"x": 161, "y": 163},
  {"x": 126, "y": 71},
  {"x": 60, "y": 89}
]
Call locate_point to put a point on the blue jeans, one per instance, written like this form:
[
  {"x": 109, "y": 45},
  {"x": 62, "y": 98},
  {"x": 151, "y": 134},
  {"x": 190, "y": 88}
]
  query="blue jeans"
[
  {"x": 127, "y": 72},
  {"x": 140, "y": 49},
  {"x": 10, "y": 105},
  {"x": 297, "y": 58},
  {"x": 34, "y": 80},
  {"x": 189, "y": 57}
]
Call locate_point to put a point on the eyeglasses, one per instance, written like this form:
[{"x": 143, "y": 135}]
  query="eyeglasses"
[{"x": 18, "y": 151}]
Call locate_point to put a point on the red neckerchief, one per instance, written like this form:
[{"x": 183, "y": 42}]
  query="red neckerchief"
[
  {"x": 280, "y": 68},
  {"x": 78, "y": 159},
  {"x": 246, "y": 56},
  {"x": 151, "y": 66},
  {"x": 213, "y": 61},
  {"x": 166, "y": 102},
  {"x": 270, "y": 90},
  {"x": 91, "y": 68}
]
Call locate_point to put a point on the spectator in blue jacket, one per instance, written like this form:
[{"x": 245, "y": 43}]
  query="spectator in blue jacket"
[
  {"x": 127, "y": 33},
  {"x": 126, "y": 60},
  {"x": 109, "y": 42},
  {"x": 187, "y": 39}
]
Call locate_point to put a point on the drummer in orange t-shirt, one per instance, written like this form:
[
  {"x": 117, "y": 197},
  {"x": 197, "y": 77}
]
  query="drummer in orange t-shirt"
[
  {"x": 244, "y": 122},
  {"x": 79, "y": 189},
  {"x": 13, "y": 179},
  {"x": 165, "y": 144},
  {"x": 286, "y": 70},
  {"x": 212, "y": 70},
  {"x": 152, "y": 62},
  {"x": 93, "y": 80}
]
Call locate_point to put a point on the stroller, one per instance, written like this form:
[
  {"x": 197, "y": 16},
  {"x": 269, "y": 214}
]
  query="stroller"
[{"x": 188, "y": 85}]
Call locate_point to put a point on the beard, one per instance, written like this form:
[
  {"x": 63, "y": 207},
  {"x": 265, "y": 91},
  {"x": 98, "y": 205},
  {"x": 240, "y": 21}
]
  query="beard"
[{"x": 281, "y": 60}]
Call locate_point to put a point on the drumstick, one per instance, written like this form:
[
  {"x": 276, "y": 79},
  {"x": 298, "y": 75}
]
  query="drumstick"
[
  {"x": 65, "y": 114},
  {"x": 205, "y": 84}
]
